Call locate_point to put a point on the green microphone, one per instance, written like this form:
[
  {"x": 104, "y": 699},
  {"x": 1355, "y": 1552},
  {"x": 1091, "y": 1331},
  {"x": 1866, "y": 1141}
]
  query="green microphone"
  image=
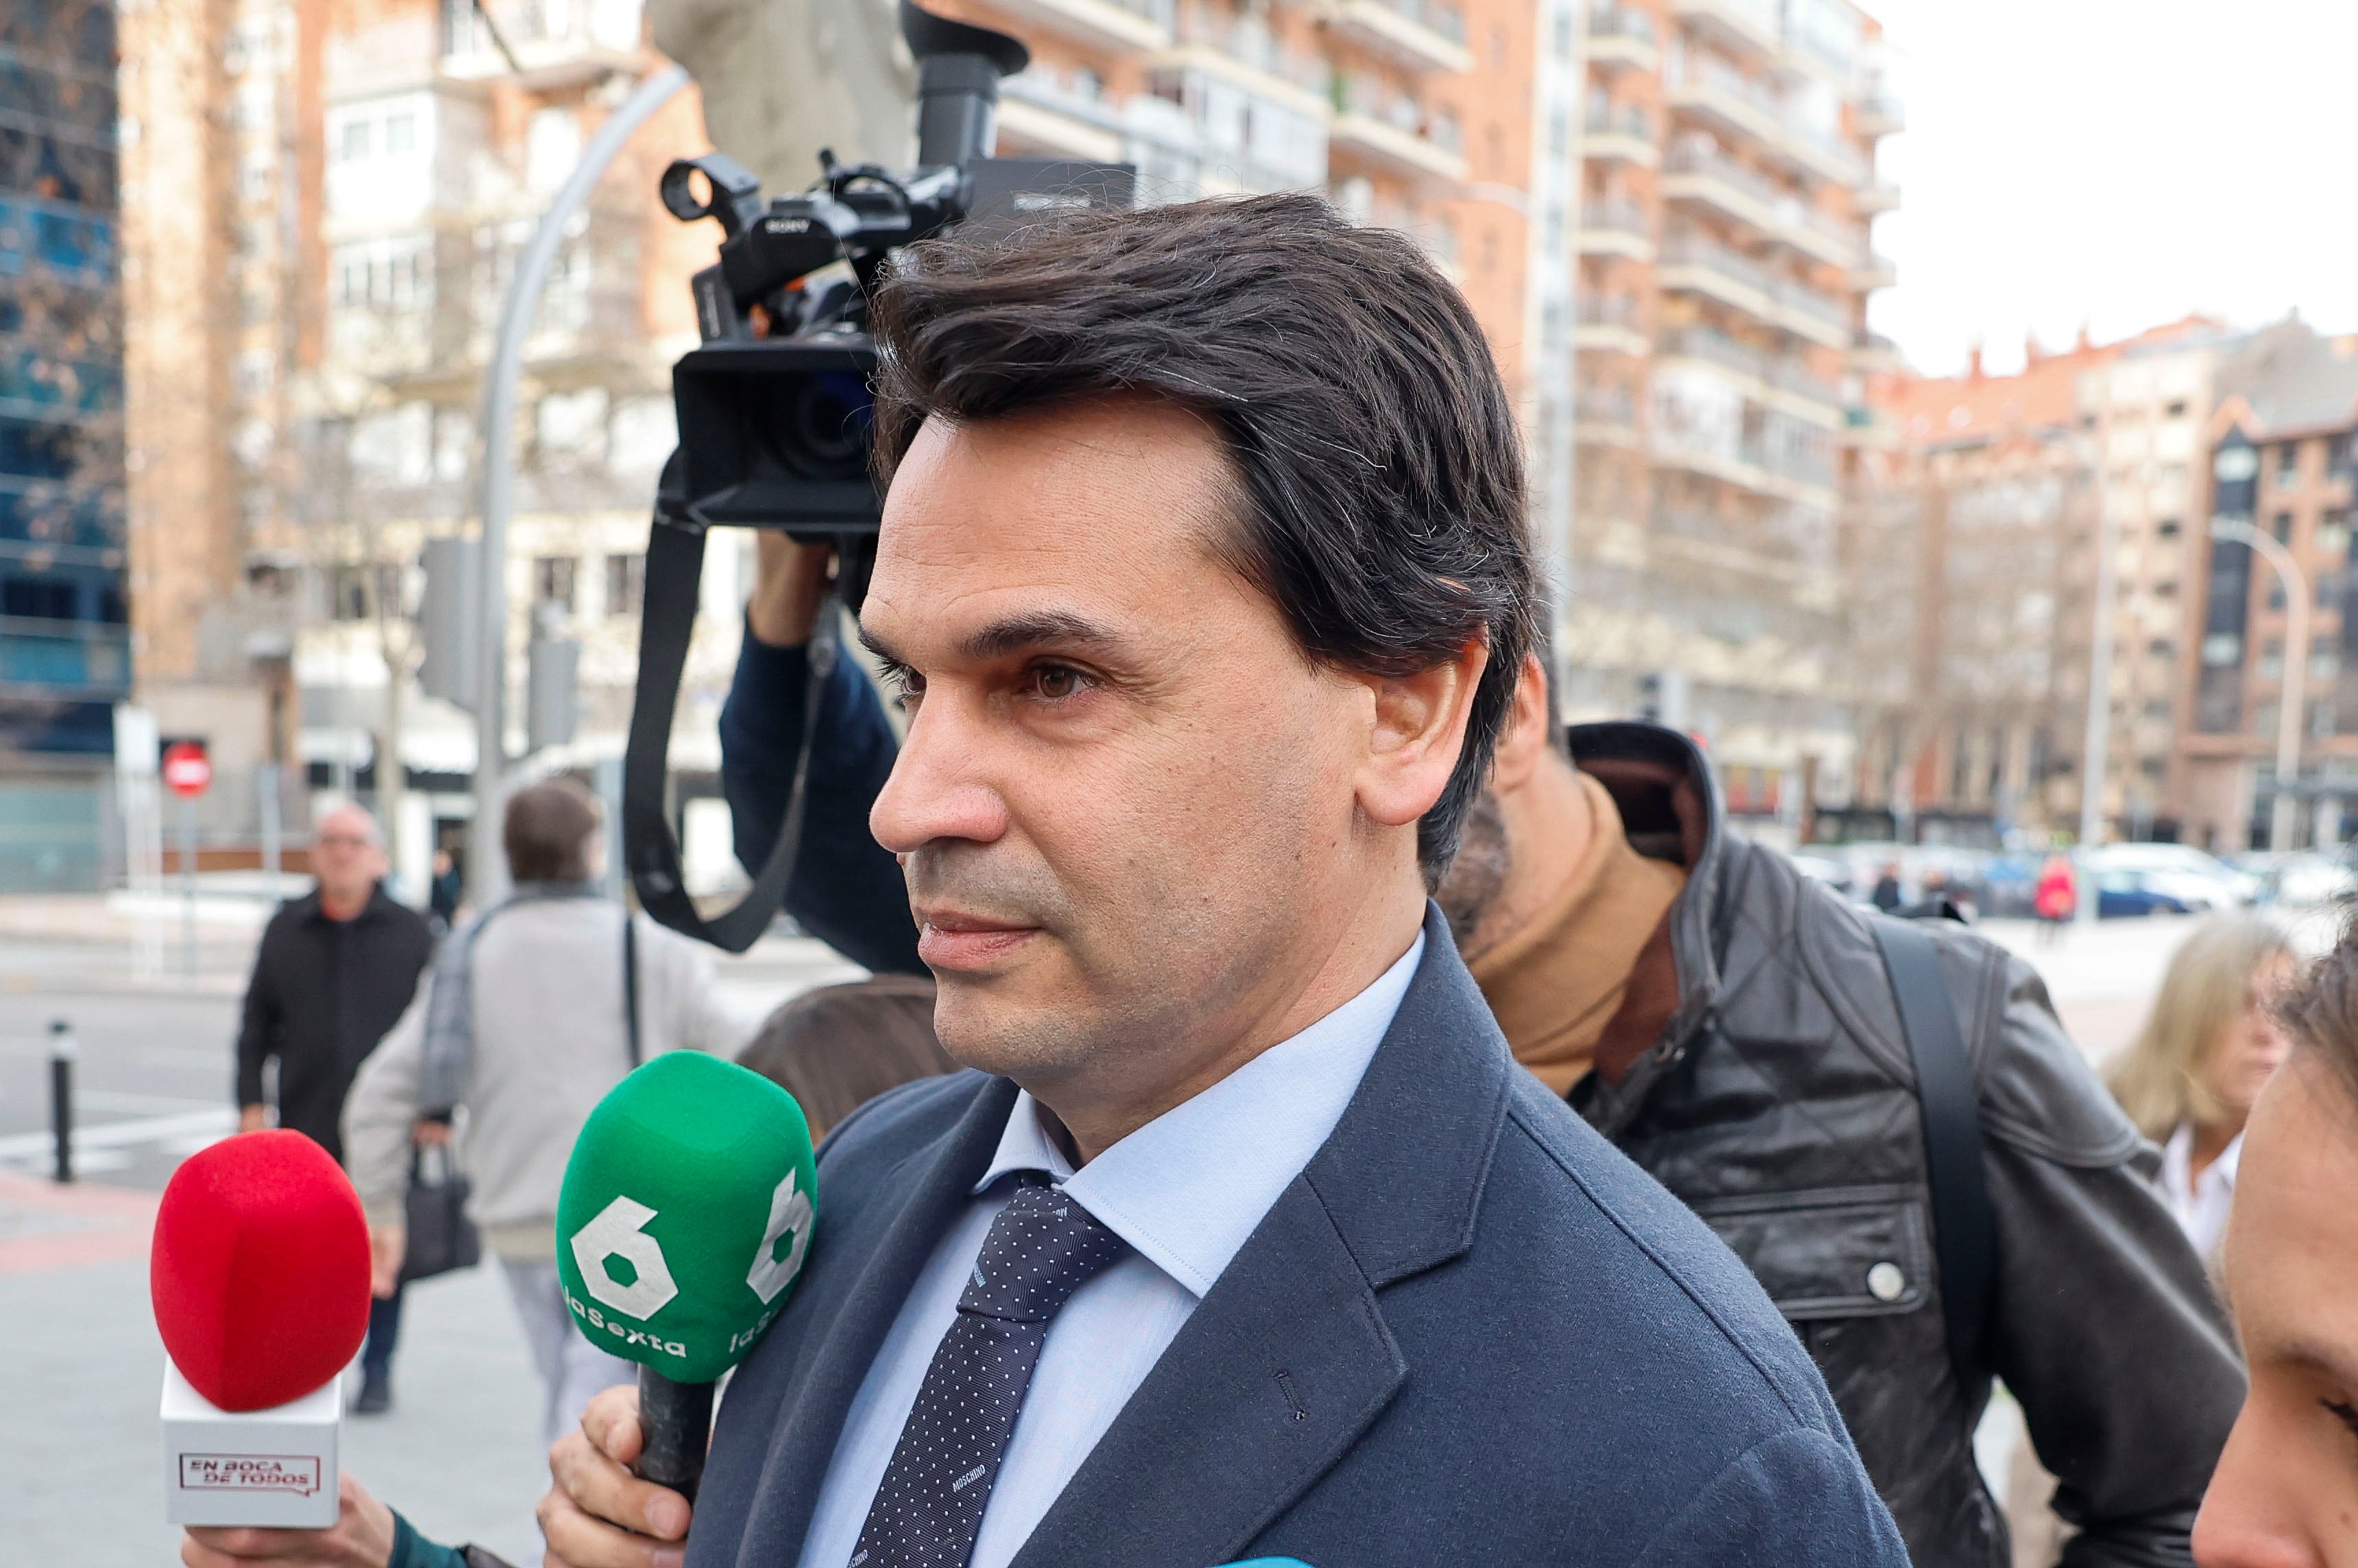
[{"x": 685, "y": 1216}]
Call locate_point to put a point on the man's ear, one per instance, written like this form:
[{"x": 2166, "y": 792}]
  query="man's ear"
[
  {"x": 1523, "y": 739},
  {"x": 1417, "y": 733}
]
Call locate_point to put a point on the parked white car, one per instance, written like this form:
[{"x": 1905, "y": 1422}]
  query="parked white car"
[{"x": 2180, "y": 872}]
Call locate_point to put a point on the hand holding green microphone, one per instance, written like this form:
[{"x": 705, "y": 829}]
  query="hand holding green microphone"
[{"x": 685, "y": 1217}]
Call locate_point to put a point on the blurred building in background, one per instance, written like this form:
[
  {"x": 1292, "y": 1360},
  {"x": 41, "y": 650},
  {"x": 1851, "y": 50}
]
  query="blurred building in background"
[
  {"x": 65, "y": 654},
  {"x": 1721, "y": 245},
  {"x": 1974, "y": 545},
  {"x": 331, "y": 209},
  {"x": 1659, "y": 212},
  {"x": 2280, "y": 455}
]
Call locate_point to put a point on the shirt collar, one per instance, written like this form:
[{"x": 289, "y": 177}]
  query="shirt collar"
[{"x": 1187, "y": 1188}]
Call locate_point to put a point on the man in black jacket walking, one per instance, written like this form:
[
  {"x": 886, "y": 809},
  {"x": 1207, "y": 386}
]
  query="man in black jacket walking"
[
  {"x": 1729, "y": 1025},
  {"x": 336, "y": 970}
]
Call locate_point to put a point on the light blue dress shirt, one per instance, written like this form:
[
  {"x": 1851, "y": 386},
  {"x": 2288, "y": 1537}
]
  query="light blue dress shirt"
[{"x": 1184, "y": 1191}]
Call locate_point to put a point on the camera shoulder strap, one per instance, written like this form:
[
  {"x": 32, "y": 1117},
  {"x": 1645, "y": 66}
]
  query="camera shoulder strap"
[
  {"x": 1964, "y": 1222},
  {"x": 675, "y": 577}
]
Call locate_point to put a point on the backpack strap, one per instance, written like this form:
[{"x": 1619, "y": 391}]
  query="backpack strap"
[
  {"x": 1964, "y": 1225},
  {"x": 630, "y": 982}
]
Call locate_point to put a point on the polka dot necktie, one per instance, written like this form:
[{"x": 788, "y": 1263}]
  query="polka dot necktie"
[{"x": 1042, "y": 1248}]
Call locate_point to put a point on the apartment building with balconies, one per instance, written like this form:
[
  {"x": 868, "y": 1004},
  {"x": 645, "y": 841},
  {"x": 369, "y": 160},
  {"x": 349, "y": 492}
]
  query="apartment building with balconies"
[
  {"x": 309, "y": 411},
  {"x": 1976, "y": 524},
  {"x": 1722, "y": 262},
  {"x": 2279, "y": 454}
]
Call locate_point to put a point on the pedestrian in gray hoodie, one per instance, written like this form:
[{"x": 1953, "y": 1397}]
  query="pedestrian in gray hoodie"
[{"x": 531, "y": 1012}]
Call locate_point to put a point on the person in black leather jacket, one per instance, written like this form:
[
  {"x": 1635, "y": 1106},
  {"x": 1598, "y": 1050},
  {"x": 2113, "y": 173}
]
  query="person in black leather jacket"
[{"x": 1750, "y": 1058}]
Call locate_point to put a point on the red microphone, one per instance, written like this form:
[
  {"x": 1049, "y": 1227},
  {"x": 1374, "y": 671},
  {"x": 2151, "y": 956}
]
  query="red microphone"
[{"x": 260, "y": 1277}]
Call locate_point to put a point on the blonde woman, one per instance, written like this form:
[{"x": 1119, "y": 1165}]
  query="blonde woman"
[{"x": 2208, "y": 1048}]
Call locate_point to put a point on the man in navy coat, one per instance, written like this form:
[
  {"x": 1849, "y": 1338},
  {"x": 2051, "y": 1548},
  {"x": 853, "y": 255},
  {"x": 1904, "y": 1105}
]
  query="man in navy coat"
[{"x": 1204, "y": 580}]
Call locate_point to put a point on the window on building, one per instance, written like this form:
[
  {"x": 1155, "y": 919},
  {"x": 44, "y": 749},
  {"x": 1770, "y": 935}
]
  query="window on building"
[
  {"x": 2166, "y": 588},
  {"x": 2272, "y": 659},
  {"x": 36, "y": 598},
  {"x": 2176, "y": 409},
  {"x": 626, "y": 582},
  {"x": 2333, "y": 532},
  {"x": 2324, "y": 664},
  {"x": 2281, "y": 526},
  {"x": 2288, "y": 465},
  {"x": 1563, "y": 33},
  {"x": 2165, "y": 529},
  {"x": 1087, "y": 85},
  {"x": 356, "y": 140},
  {"x": 2162, "y": 648},
  {"x": 552, "y": 581},
  {"x": 400, "y": 132},
  {"x": 2158, "y": 708}
]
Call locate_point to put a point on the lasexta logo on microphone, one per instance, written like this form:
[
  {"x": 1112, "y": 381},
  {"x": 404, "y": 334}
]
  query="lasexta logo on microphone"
[{"x": 686, "y": 1215}]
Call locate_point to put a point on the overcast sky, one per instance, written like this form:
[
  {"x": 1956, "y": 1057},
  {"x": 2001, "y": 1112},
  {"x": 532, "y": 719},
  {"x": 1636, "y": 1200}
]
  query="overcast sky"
[{"x": 2116, "y": 163}]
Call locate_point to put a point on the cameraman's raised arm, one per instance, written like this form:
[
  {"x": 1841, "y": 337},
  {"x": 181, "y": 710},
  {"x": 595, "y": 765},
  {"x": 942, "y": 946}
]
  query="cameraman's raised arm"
[{"x": 846, "y": 890}]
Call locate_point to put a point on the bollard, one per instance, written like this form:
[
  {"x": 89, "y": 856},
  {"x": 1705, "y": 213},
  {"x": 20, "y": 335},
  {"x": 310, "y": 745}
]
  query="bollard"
[{"x": 62, "y": 1059}]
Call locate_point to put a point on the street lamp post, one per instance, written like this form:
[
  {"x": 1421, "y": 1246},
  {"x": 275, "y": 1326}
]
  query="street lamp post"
[
  {"x": 2095, "y": 762},
  {"x": 486, "y": 869},
  {"x": 2290, "y": 704}
]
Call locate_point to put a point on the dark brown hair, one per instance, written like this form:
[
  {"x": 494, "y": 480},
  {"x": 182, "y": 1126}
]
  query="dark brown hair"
[
  {"x": 835, "y": 1048},
  {"x": 547, "y": 831},
  {"x": 2320, "y": 1013},
  {"x": 1380, "y": 470}
]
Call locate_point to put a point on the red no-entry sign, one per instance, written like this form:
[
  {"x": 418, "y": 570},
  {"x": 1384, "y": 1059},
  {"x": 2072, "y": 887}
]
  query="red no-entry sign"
[{"x": 187, "y": 770}]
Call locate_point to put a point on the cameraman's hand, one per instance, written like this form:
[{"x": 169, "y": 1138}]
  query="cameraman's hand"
[
  {"x": 361, "y": 1537},
  {"x": 789, "y": 581},
  {"x": 596, "y": 1493}
]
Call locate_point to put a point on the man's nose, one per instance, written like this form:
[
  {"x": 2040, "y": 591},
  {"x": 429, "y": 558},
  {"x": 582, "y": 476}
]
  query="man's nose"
[
  {"x": 2248, "y": 1521},
  {"x": 937, "y": 789}
]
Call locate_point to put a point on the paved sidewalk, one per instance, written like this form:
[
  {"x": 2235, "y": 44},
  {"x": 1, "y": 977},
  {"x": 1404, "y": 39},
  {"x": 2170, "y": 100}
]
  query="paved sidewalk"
[{"x": 82, "y": 1481}]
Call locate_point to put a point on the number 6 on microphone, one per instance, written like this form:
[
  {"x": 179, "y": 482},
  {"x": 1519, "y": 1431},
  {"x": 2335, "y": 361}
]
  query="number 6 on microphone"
[{"x": 685, "y": 1219}]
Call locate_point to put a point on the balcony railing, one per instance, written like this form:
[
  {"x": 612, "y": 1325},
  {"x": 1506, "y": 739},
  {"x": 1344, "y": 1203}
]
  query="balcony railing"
[
  {"x": 1619, "y": 37},
  {"x": 1691, "y": 159},
  {"x": 1619, "y": 120},
  {"x": 1613, "y": 218},
  {"x": 1611, "y": 311},
  {"x": 1622, "y": 24},
  {"x": 1880, "y": 114},
  {"x": 1120, "y": 26},
  {"x": 1730, "y": 96},
  {"x": 1751, "y": 23},
  {"x": 1689, "y": 249},
  {"x": 1782, "y": 374},
  {"x": 554, "y": 42},
  {"x": 1424, "y": 35},
  {"x": 1248, "y": 42},
  {"x": 1809, "y": 302}
]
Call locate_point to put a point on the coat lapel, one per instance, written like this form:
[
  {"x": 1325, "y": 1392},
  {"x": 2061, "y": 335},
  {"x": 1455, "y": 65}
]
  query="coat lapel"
[
  {"x": 1288, "y": 1359},
  {"x": 848, "y": 1322},
  {"x": 1276, "y": 1374}
]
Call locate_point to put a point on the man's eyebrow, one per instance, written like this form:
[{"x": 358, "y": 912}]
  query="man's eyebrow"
[
  {"x": 1012, "y": 634},
  {"x": 2331, "y": 1360}
]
